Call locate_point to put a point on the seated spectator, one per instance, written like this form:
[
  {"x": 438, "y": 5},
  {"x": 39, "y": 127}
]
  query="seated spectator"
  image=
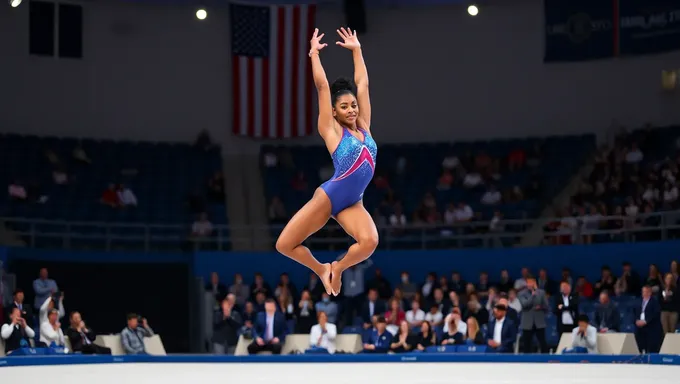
[
  {"x": 435, "y": 316},
  {"x": 464, "y": 213},
  {"x": 132, "y": 336},
  {"x": 450, "y": 162},
  {"x": 110, "y": 197},
  {"x": 452, "y": 335},
  {"x": 445, "y": 180},
  {"x": 18, "y": 302},
  {"x": 584, "y": 288},
  {"x": 322, "y": 335},
  {"x": 328, "y": 307},
  {"x": 427, "y": 337},
  {"x": 634, "y": 155},
  {"x": 510, "y": 313},
  {"x": 226, "y": 325},
  {"x": 16, "y": 331},
  {"x": 607, "y": 318},
  {"x": 476, "y": 310},
  {"x": 474, "y": 335},
  {"x": 460, "y": 324},
  {"x": 502, "y": 332},
  {"x": 48, "y": 305},
  {"x": 415, "y": 316},
  {"x": 584, "y": 337},
  {"x": 269, "y": 330},
  {"x": 398, "y": 220},
  {"x": 379, "y": 341},
  {"x": 285, "y": 305},
  {"x": 202, "y": 228},
  {"x": 472, "y": 180},
  {"x": 82, "y": 338},
  {"x": 395, "y": 315},
  {"x": 80, "y": 155},
  {"x": 408, "y": 288},
  {"x": 305, "y": 313},
  {"x": 402, "y": 341},
  {"x": 491, "y": 197},
  {"x": 50, "y": 330},
  {"x": 277, "y": 211},
  {"x": 126, "y": 197}
]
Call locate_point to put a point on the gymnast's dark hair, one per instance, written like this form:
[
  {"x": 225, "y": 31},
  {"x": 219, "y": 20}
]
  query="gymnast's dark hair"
[{"x": 340, "y": 87}]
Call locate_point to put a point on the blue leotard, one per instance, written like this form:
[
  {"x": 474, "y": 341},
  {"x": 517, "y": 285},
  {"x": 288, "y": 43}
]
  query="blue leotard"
[{"x": 354, "y": 163}]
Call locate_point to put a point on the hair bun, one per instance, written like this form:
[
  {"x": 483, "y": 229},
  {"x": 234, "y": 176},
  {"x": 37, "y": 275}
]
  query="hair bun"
[{"x": 342, "y": 84}]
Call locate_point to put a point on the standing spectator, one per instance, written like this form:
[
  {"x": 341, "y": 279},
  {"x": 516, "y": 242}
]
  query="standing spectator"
[
  {"x": 379, "y": 341},
  {"x": 82, "y": 338},
  {"x": 240, "y": 290},
  {"x": 395, "y": 315},
  {"x": 474, "y": 334},
  {"x": 270, "y": 330},
  {"x": 328, "y": 307},
  {"x": 607, "y": 318},
  {"x": 402, "y": 341},
  {"x": 407, "y": 287},
  {"x": 654, "y": 280},
  {"x": 322, "y": 335},
  {"x": 584, "y": 337},
  {"x": 372, "y": 307},
  {"x": 415, "y": 316},
  {"x": 132, "y": 336},
  {"x": 426, "y": 337},
  {"x": 43, "y": 288},
  {"x": 26, "y": 310},
  {"x": 502, "y": 332},
  {"x": 648, "y": 331},
  {"x": 566, "y": 309},
  {"x": 534, "y": 307},
  {"x": 218, "y": 290},
  {"x": 630, "y": 280},
  {"x": 16, "y": 331},
  {"x": 50, "y": 331},
  {"x": 126, "y": 197},
  {"x": 353, "y": 283},
  {"x": 225, "y": 329},
  {"x": 670, "y": 304},
  {"x": 305, "y": 314}
]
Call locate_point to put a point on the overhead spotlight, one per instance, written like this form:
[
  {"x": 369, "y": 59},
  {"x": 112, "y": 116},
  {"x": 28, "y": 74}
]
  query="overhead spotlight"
[
  {"x": 473, "y": 10},
  {"x": 14, "y": 3},
  {"x": 201, "y": 14}
]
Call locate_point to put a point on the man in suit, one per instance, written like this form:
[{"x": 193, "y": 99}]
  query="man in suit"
[
  {"x": 82, "y": 337},
  {"x": 566, "y": 309},
  {"x": 501, "y": 333},
  {"x": 648, "y": 331},
  {"x": 16, "y": 331},
  {"x": 269, "y": 331},
  {"x": 607, "y": 318},
  {"x": 372, "y": 307},
  {"x": 510, "y": 312},
  {"x": 26, "y": 310},
  {"x": 534, "y": 307}
]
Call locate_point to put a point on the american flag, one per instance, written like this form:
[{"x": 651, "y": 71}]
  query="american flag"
[{"x": 273, "y": 94}]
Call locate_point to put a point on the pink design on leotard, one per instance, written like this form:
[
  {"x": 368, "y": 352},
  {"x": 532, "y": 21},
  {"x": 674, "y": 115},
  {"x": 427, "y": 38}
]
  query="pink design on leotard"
[{"x": 364, "y": 157}]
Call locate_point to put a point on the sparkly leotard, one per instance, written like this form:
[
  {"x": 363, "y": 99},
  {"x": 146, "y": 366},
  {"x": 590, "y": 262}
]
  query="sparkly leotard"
[{"x": 354, "y": 163}]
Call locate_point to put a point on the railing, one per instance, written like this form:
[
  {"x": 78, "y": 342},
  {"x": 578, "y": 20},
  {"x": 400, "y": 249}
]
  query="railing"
[{"x": 168, "y": 237}]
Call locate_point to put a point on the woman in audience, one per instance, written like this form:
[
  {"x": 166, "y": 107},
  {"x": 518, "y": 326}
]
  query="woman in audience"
[
  {"x": 670, "y": 304},
  {"x": 402, "y": 341},
  {"x": 474, "y": 334},
  {"x": 286, "y": 304},
  {"x": 395, "y": 315},
  {"x": 305, "y": 313},
  {"x": 426, "y": 337},
  {"x": 654, "y": 280},
  {"x": 452, "y": 337}
]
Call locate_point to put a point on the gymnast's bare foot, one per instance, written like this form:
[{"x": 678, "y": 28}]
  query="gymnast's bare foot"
[
  {"x": 326, "y": 278},
  {"x": 336, "y": 279}
]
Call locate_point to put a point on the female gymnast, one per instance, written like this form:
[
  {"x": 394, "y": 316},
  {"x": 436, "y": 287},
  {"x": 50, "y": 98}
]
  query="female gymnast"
[{"x": 344, "y": 124}]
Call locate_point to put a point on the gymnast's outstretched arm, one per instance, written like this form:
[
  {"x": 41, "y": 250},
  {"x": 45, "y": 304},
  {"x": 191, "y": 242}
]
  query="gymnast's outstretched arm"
[
  {"x": 325, "y": 124},
  {"x": 351, "y": 42}
]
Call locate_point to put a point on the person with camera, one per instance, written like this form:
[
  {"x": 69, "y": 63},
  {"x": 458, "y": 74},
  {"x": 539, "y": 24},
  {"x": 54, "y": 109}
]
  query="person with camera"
[
  {"x": 82, "y": 337},
  {"x": 132, "y": 336},
  {"x": 50, "y": 330},
  {"x": 49, "y": 304},
  {"x": 16, "y": 331},
  {"x": 225, "y": 329}
]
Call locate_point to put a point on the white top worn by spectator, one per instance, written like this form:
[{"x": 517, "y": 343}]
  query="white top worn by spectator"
[
  {"x": 397, "y": 220},
  {"x": 472, "y": 180},
  {"x": 49, "y": 335},
  {"x": 464, "y": 213},
  {"x": 670, "y": 195},
  {"x": 491, "y": 197},
  {"x": 317, "y": 338},
  {"x": 495, "y": 225},
  {"x": 7, "y": 330},
  {"x": 498, "y": 330},
  {"x": 450, "y": 162},
  {"x": 461, "y": 326},
  {"x": 202, "y": 227},
  {"x": 16, "y": 191},
  {"x": 632, "y": 209},
  {"x": 415, "y": 317},
  {"x": 515, "y": 304},
  {"x": 434, "y": 318},
  {"x": 44, "y": 311},
  {"x": 634, "y": 156},
  {"x": 650, "y": 194},
  {"x": 127, "y": 197},
  {"x": 589, "y": 341}
]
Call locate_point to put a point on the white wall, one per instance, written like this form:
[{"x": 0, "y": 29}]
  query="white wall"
[{"x": 155, "y": 72}]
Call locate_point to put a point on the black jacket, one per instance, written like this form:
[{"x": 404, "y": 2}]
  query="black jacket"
[{"x": 225, "y": 330}]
